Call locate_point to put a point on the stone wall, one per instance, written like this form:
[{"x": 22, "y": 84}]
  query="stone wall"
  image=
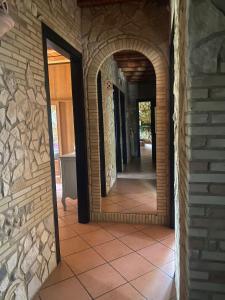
[
  {"x": 180, "y": 15},
  {"x": 27, "y": 248},
  {"x": 110, "y": 75},
  {"x": 140, "y": 26},
  {"x": 206, "y": 138}
]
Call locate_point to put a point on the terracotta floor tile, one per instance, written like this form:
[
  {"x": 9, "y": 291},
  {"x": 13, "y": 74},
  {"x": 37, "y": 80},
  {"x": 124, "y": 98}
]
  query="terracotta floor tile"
[
  {"x": 112, "y": 250},
  {"x": 72, "y": 245},
  {"x": 66, "y": 233},
  {"x": 129, "y": 203},
  {"x": 97, "y": 237},
  {"x": 119, "y": 230},
  {"x": 112, "y": 207},
  {"x": 63, "y": 213},
  {"x": 124, "y": 292},
  {"x": 36, "y": 297},
  {"x": 84, "y": 228},
  {"x": 158, "y": 232},
  {"x": 84, "y": 261},
  {"x": 69, "y": 289},
  {"x": 61, "y": 223},
  {"x": 137, "y": 240},
  {"x": 157, "y": 254},
  {"x": 155, "y": 285},
  {"x": 61, "y": 273},
  {"x": 101, "y": 280},
  {"x": 169, "y": 269},
  {"x": 68, "y": 220},
  {"x": 169, "y": 241},
  {"x": 132, "y": 266}
]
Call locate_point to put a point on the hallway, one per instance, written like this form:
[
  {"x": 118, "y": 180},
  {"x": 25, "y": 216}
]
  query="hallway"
[
  {"x": 135, "y": 188},
  {"x": 109, "y": 261}
]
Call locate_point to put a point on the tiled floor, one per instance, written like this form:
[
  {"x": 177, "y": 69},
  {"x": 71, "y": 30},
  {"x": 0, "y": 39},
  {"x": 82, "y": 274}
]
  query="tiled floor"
[
  {"x": 111, "y": 261},
  {"x": 135, "y": 188}
]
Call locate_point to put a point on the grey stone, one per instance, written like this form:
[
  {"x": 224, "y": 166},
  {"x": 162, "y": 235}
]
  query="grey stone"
[
  {"x": 199, "y": 275},
  {"x": 217, "y": 93},
  {"x": 216, "y": 256},
  {"x": 203, "y": 106},
  {"x": 220, "y": 167},
  {"x": 198, "y": 188},
  {"x": 206, "y": 130},
  {"x": 46, "y": 252},
  {"x": 2, "y": 116},
  {"x": 44, "y": 236},
  {"x": 4, "y": 284},
  {"x": 196, "y": 211},
  {"x": 218, "y": 189},
  {"x": 31, "y": 95},
  {"x": 29, "y": 259},
  {"x": 197, "y": 232},
  {"x": 18, "y": 172},
  {"x": 11, "y": 112},
  {"x": 216, "y": 143},
  {"x": 40, "y": 229},
  {"x": 222, "y": 67},
  {"x": 40, "y": 99},
  {"x": 19, "y": 153},
  {"x": 5, "y": 189},
  {"x": 30, "y": 77},
  {"x": 27, "y": 243},
  {"x": 52, "y": 263},
  {"x": 207, "y": 200},
  {"x": 218, "y": 118},
  {"x": 2, "y": 221},
  {"x": 207, "y": 81},
  {"x": 45, "y": 274},
  {"x": 12, "y": 262},
  {"x": 198, "y": 93},
  {"x": 33, "y": 287},
  {"x": 10, "y": 82},
  {"x": 4, "y": 135},
  {"x": 207, "y": 154},
  {"x": 197, "y": 142},
  {"x": 197, "y": 118},
  {"x": 6, "y": 175},
  {"x": 20, "y": 292}
]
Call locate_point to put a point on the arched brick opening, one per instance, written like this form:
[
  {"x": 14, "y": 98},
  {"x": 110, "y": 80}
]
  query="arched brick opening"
[{"x": 160, "y": 65}]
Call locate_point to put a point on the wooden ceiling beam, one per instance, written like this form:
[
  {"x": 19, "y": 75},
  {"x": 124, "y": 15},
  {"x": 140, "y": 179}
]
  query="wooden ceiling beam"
[{"x": 87, "y": 3}]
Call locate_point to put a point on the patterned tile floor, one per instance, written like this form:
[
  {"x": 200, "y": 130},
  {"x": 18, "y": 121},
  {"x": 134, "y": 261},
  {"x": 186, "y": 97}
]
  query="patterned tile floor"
[{"x": 111, "y": 261}]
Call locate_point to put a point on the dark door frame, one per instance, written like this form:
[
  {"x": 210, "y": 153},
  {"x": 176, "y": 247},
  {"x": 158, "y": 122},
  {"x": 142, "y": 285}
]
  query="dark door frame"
[
  {"x": 116, "y": 100},
  {"x": 152, "y": 101},
  {"x": 123, "y": 126},
  {"x": 171, "y": 129},
  {"x": 101, "y": 135},
  {"x": 48, "y": 35}
]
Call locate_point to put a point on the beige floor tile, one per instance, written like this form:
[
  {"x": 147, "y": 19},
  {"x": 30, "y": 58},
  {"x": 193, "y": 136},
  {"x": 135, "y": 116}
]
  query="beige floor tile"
[
  {"x": 119, "y": 230},
  {"x": 155, "y": 285},
  {"x": 112, "y": 250},
  {"x": 132, "y": 266},
  {"x": 84, "y": 261},
  {"x": 169, "y": 241},
  {"x": 125, "y": 292},
  {"x": 158, "y": 232},
  {"x": 69, "y": 289},
  {"x": 101, "y": 280},
  {"x": 169, "y": 269},
  {"x": 97, "y": 237},
  {"x": 61, "y": 273},
  {"x": 84, "y": 228},
  {"x": 158, "y": 254},
  {"x": 72, "y": 245},
  {"x": 66, "y": 233},
  {"x": 137, "y": 240}
]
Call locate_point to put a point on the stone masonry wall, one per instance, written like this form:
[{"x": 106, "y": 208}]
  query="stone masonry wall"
[
  {"x": 206, "y": 132},
  {"x": 110, "y": 75},
  {"x": 180, "y": 15},
  {"x": 27, "y": 240}
]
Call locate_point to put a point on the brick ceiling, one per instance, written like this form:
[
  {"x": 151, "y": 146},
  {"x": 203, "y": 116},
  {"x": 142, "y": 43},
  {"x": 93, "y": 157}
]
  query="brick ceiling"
[{"x": 135, "y": 66}]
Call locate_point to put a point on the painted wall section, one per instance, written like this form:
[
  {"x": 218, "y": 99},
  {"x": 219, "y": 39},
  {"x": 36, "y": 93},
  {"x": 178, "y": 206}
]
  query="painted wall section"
[{"x": 27, "y": 242}]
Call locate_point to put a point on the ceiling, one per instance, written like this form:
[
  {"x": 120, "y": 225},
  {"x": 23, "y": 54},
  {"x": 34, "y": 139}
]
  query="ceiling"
[
  {"x": 135, "y": 66},
  {"x": 55, "y": 57},
  {"x": 85, "y": 3}
]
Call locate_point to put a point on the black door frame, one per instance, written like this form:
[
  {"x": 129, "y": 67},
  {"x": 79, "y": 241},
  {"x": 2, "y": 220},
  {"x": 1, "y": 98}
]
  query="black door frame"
[
  {"x": 116, "y": 101},
  {"x": 48, "y": 35},
  {"x": 153, "y": 133},
  {"x": 123, "y": 126},
  {"x": 101, "y": 135},
  {"x": 171, "y": 129}
]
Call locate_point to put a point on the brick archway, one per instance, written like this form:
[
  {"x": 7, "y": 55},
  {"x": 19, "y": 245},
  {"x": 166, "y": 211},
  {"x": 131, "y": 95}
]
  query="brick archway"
[{"x": 160, "y": 65}]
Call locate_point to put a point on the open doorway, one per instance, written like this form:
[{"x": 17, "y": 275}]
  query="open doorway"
[{"x": 68, "y": 149}]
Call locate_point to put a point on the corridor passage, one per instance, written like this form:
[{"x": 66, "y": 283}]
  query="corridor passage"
[
  {"x": 108, "y": 261},
  {"x": 135, "y": 187}
]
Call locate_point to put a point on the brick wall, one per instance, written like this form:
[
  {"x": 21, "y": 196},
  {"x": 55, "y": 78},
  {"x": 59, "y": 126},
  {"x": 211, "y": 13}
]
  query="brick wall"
[
  {"x": 206, "y": 140},
  {"x": 27, "y": 241},
  {"x": 140, "y": 26}
]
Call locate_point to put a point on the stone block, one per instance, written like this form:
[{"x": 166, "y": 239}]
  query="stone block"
[
  {"x": 222, "y": 67},
  {"x": 206, "y": 130},
  {"x": 218, "y": 118},
  {"x": 198, "y": 188},
  {"x": 215, "y": 256},
  {"x": 207, "y": 200},
  {"x": 199, "y": 275},
  {"x": 204, "y": 106},
  {"x": 208, "y": 81},
  {"x": 217, "y": 93},
  {"x": 33, "y": 287},
  {"x": 196, "y": 211},
  {"x": 218, "y": 189},
  {"x": 220, "y": 167},
  {"x": 207, "y": 154},
  {"x": 197, "y": 232},
  {"x": 197, "y": 142},
  {"x": 197, "y": 118},
  {"x": 198, "y": 166},
  {"x": 198, "y": 93},
  {"x": 216, "y": 143}
]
